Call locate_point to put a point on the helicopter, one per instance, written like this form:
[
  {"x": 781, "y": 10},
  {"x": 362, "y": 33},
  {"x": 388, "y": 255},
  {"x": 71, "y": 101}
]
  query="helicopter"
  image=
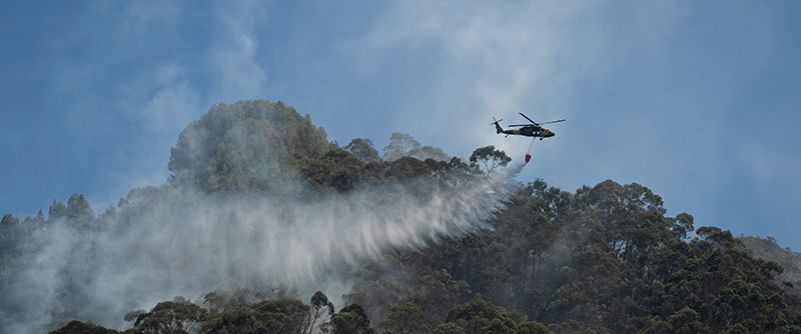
[{"x": 532, "y": 129}]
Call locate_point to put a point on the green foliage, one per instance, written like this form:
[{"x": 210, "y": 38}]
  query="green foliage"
[
  {"x": 11, "y": 231},
  {"x": 246, "y": 146},
  {"x": 266, "y": 147},
  {"x": 686, "y": 321},
  {"x": 78, "y": 209},
  {"x": 320, "y": 301},
  {"x": 215, "y": 302},
  {"x": 171, "y": 317},
  {"x": 429, "y": 152},
  {"x": 362, "y": 149},
  {"x": 434, "y": 293},
  {"x": 656, "y": 326},
  {"x": 532, "y": 327},
  {"x": 404, "y": 145},
  {"x": 321, "y": 310},
  {"x": 683, "y": 225},
  {"x": 448, "y": 328},
  {"x": 351, "y": 320},
  {"x": 487, "y": 158},
  {"x": 400, "y": 144},
  {"x": 9, "y": 220},
  {"x": 9, "y": 226},
  {"x": 336, "y": 169},
  {"x": 78, "y": 327},
  {"x": 56, "y": 211},
  {"x": 406, "y": 318},
  {"x": 276, "y": 316},
  {"x": 480, "y": 316},
  {"x": 281, "y": 316},
  {"x": 438, "y": 291},
  {"x": 603, "y": 259},
  {"x": 407, "y": 167}
]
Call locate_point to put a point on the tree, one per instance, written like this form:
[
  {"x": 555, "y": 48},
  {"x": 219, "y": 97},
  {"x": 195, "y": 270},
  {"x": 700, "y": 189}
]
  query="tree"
[
  {"x": 716, "y": 236},
  {"x": 250, "y": 145},
  {"x": 400, "y": 144},
  {"x": 337, "y": 169},
  {"x": 428, "y": 152},
  {"x": 40, "y": 218},
  {"x": 533, "y": 327},
  {"x": 78, "y": 209},
  {"x": 448, "y": 328},
  {"x": 133, "y": 315},
  {"x": 351, "y": 320},
  {"x": 216, "y": 302},
  {"x": 321, "y": 309},
  {"x": 686, "y": 321},
  {"x": 683, "y": 225},
  {"x": 56, "y": 211},
  {"x": 362, "y": 149},
  {"x": 438, "y": 291},
  {"x": 9, "y": 220},
  {"x": 406, "y": 318},
  {"x": 606, "y": 258},
  {"x": 78, "y": 327},
  {"x": 9, "y": 227},
  {"x": 657, "y": 326},
  {"x": 479, "y": 316},
  {"x": 171, "y": 317},
  {"x": 404, "y": 145},
  {"x": 487, "y": 158},
  {"x": 280, "y": 316}
]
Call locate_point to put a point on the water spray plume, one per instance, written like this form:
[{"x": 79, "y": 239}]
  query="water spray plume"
[{"x": 180, "y": 240}]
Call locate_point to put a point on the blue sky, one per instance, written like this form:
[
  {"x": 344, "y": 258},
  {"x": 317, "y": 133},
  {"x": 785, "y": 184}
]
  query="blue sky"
[{"x": 700, "y": 101}]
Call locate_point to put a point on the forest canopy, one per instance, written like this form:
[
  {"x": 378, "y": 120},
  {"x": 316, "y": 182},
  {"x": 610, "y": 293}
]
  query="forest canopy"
[{"x": 605, "y": 258}]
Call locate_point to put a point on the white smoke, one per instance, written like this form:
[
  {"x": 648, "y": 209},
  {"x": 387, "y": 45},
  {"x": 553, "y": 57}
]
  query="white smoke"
[{"x": 178, "y": 241}]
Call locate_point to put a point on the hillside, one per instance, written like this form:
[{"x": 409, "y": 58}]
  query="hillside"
[
  {"x": 767, "y": 249},
  {"x": 267, "y": 227}
]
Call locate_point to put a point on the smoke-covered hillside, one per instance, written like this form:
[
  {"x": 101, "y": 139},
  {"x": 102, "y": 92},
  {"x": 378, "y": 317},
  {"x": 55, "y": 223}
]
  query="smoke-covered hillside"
[
  {"x": 767, "y": 249},
  {"x": 267, "y": 227}
]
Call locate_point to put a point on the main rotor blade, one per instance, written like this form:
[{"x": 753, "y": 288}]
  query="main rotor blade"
[
  {"x": 556, "y": 121},
  {"x": 516, "y": 125},
  {"x": 529, "y": 119}
]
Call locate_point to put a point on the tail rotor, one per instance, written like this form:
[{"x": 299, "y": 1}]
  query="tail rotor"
[{"x": 498, "y": 128}]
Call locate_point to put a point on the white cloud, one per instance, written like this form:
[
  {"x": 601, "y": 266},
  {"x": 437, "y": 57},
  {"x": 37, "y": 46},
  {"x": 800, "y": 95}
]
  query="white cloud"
[
  {"x": 498, "y": 58},
  {"x": 501, "y": 58},
  {"x": 233, "y": 54},
  {"x": 164, "y": 97}
]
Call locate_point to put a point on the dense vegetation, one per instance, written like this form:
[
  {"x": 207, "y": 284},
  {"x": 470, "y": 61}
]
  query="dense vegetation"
[{"x": 602, "y": 259}]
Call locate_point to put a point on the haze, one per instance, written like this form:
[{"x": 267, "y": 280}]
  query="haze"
[{"x": 698, "y": 101}]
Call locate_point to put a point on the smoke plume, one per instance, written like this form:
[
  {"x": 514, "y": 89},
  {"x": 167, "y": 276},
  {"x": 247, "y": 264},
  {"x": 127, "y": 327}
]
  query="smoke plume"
[{"x": 180, "y": 240}]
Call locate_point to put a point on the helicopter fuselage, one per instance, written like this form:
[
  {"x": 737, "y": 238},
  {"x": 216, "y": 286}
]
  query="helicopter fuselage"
[
  {"x": 532, "y": 129},
  {"x": 529, "y": 131}
]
